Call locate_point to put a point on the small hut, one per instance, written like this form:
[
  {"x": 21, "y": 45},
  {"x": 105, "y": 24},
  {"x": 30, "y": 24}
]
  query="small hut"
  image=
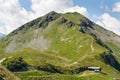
[{"x": 95, "y": 69}]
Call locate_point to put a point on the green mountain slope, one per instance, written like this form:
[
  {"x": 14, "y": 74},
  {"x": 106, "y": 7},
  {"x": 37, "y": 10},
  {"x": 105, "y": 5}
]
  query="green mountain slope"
[
  {"x": 61, "y": 46},
  {"x": 7, "y": 75}
]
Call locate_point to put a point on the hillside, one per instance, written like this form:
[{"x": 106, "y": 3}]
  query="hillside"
[
  {"x": 7, "y": 75},
  {"x": 61, "y": 46}
]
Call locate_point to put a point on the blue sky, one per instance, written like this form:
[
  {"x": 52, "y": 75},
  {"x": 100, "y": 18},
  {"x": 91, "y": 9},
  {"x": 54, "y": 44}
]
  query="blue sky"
[
  {"x": 26, "y": 4},
  {"x": 97, "y": 7},
  {"x": 94, "y": 7},
  {"x": 103, "y": 12}
]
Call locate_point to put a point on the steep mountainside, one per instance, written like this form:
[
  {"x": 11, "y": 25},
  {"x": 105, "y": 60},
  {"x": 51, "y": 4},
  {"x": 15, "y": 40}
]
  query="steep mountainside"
[
  {"x": 57, "y": 45},
  {"x": 109, "y": 38}
]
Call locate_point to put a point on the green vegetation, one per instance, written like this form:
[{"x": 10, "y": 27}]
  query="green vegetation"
[
  {"x": 15, "y": 64},
  {"x": 6, "y": 74},
  {"x": 44, "y": 75},
  {"x": 59, "y": 47},
  {"x": 41, "y": 67},
  {"x": 3, "y": 44}
]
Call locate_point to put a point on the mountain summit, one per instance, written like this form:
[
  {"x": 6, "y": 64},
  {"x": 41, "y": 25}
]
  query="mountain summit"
[{"x": 64, "y": 44}]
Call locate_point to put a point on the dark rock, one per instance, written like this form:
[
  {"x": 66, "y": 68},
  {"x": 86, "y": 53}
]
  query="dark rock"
[
  {"x": 52, "y": 16},
  {"x": 63, "y": 20},
  {"x": 15, "y": 64},
  {"x": 70, "y": 24},
  {"x": 82, "y": 30},
  {"x": 87, "y": 23},
  {"x": 43, "y": 24},
  {"x": 110, "y": 59}
]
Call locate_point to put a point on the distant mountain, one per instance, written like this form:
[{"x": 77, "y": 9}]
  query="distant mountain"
[
  {"x": 2, "y": 35},
  {"x": 65, "y": 44}
]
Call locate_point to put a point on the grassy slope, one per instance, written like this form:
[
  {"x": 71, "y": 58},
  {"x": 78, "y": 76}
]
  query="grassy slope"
[
  {"x": 116, "y": 50},
  {"x": 32, "y": 75},
  {"x": 69, "y": 47},
  {"x": 110, "y": 39},
  {"x": 36, "y": 58},
  {"x": 7, "y": 75}
]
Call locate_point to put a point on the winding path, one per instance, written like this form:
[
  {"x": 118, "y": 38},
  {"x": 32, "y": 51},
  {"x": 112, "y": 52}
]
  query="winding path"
[{"x": 92, "y": 48}]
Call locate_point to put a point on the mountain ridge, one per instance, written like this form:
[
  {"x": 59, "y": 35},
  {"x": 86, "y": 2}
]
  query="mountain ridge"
[{"x": 63, "y": 41}]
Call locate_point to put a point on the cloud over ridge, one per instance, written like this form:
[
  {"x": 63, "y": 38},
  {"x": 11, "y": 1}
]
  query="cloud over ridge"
[{"x": 13, "y": 15}]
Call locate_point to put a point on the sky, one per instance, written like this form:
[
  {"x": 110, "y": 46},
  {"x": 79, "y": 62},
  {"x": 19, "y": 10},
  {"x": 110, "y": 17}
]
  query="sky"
[{"x": 14, "y": 13}]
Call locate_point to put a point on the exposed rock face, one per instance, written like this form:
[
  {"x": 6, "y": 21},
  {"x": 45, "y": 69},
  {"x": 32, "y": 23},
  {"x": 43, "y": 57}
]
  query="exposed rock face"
[
  {"x": 52, "y": 16},
  {"x": 63, "y": 20},
  {"x": 110, "y": 59}
]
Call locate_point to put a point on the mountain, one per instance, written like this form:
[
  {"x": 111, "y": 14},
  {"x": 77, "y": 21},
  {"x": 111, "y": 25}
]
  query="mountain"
[
  {"x": 61, "y": 46},
  {"x": 2, "y": 35}
]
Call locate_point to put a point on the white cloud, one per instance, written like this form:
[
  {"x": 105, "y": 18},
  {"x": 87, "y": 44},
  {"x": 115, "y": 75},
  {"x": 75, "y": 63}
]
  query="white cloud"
[
  {"x": 116, "y": 7},
  {"x": 3, "y": 29},
  {"x": 109, "y": 23},
  {"x": 13, "y": 15},
  {"x": 100, "y": 23},
  {"x": 41, "y": 7},
  {"x": 78, "y": 9}
]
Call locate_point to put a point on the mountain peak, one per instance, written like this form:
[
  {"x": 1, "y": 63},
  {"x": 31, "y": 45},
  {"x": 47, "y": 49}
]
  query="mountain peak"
[
  {"x": 52, "y": 12},
  {"x": 52, "y": 16}
]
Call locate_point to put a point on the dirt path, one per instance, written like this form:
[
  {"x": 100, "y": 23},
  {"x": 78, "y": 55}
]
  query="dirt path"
[
  {"x": 2, "y": 60},
  {"x": 92, "y": 48}
]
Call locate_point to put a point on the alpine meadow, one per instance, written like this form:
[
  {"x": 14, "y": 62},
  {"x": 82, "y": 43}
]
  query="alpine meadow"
[{"x": 60, "y": 46}]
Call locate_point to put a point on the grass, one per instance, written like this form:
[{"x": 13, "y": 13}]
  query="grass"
[
  {"x": 3, "y": 45},
  {"x": 7, "y": 74},
  {"x": 113, "y": 46},
  {"x": 27, "y": 75},
  {"x": 74, "y": 42},
  {"x": 34, "y": 57},
  {"x": 41, "y": 75},
  {"x": 115, "y": 49},
  {"x": 37, "y": 58},
  {"x": 69, "y": 49}
]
